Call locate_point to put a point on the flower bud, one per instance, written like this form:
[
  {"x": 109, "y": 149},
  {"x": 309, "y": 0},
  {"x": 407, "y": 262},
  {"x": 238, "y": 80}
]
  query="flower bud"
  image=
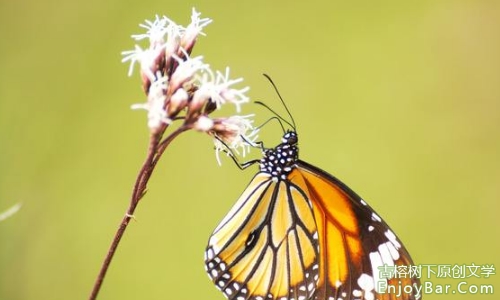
[
  {"x": 178, "y": 101},
  {"x": 204, "y": 124}
]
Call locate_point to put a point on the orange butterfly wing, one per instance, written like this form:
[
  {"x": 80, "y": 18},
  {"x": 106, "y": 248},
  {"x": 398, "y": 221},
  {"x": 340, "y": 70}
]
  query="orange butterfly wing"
[{"x": 355, "y": 243}]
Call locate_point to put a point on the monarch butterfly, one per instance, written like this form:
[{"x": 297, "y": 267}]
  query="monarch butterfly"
[{"x": 299, "y": 233}]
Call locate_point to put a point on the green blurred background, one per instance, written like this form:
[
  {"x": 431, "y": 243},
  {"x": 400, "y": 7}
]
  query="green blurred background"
[{"x": 399, "y": 99}]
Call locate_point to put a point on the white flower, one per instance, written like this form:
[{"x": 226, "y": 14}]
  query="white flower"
[
  {"x": 197, "y": 24},
  {"x": 155, "y": 30},
  {"x": 164, "y": 35},
  {"x": 174, "y": 34},
  {"x": 156, "y": 102},
  {"x": 236, "y": 133},
  {"x": 178, "y": 100},
  {"x": 218, "y": 88},
  {"x": 133, "y": 56},
  {"x": 204, "y": 124},
  {"x": 194, "y": 29},
  {"x": 180, "y": 87},
  {"x": 187, "y": 68}
]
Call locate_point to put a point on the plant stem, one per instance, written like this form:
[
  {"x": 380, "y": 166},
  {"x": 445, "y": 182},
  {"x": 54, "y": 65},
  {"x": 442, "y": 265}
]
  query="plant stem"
[{"x": 155, "y": 151}]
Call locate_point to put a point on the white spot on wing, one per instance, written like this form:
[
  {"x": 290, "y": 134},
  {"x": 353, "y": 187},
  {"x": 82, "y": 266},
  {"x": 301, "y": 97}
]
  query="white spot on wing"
[
  {"x": 366, "y": 282},
  {"x": 370, "y": 228},
  {"x": 375, "y": 217},
  {"x": 376, "y": 262},
  {"x": 363, "y": 202},
  {"x": 210, "y": 253},
  {"x": 394, "y": 252},
  {"x": 385, "y": 254},
  {"x": 392, "y": 237},
  {"x": 310, "y": 287}
]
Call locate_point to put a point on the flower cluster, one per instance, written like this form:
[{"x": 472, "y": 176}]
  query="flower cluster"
[{"x": 181, "y": 87}]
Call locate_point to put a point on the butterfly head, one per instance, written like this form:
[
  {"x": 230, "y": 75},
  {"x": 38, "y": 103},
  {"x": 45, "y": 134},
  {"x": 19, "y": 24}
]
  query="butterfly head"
[
  {"x": 290, "y": 138},
  {"x": 280, "y": 161}
]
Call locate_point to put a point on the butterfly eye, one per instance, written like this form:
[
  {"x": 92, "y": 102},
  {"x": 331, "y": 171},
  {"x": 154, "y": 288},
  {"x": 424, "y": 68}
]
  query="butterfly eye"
[
  {"x": 292, "y": 139},
  {"x": 251, "y": 240}
]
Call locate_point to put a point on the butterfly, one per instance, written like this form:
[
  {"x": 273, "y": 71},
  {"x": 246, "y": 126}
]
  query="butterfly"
[{"x": 299, "y": 233}]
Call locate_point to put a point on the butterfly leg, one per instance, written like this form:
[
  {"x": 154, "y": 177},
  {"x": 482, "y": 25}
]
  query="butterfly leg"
[{"x": 230, "y": 153}]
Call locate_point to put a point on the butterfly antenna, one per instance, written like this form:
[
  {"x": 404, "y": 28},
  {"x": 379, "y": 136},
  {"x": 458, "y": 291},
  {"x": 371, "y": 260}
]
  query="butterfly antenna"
[
  {"x": 282, "y": 102},
  {"x": 276, "y": 117}
]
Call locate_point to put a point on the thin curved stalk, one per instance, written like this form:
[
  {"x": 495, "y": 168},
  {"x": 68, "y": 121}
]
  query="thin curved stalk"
[{"x": 155, "y": 152}]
